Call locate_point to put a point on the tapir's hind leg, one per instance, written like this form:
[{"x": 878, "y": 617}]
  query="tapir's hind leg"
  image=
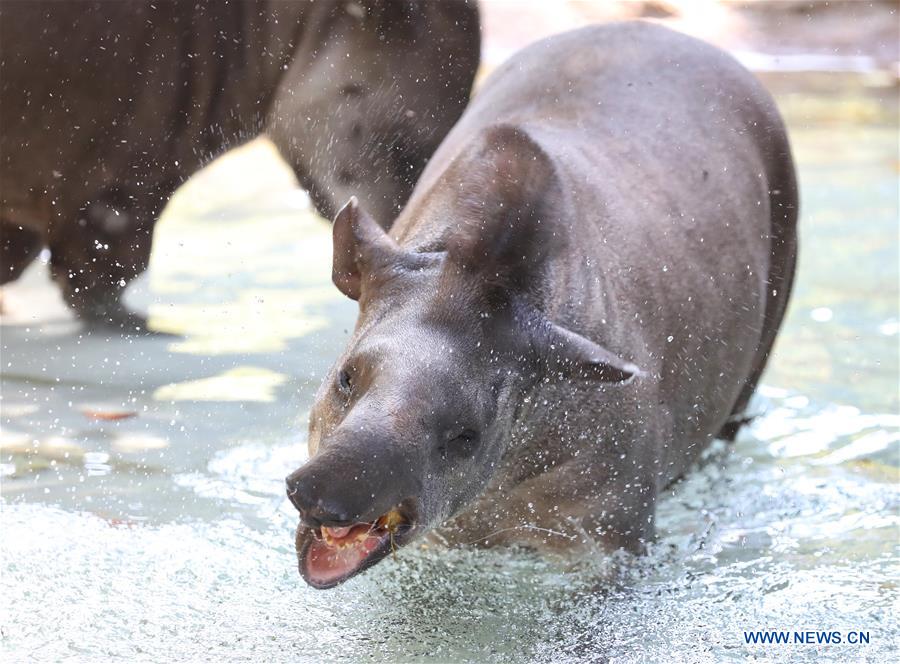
[
  {"x": 783, "y": 198},
  {"x": 18, "y": 247}
]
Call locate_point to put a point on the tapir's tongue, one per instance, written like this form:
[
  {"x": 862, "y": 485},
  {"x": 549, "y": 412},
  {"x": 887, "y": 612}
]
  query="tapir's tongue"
[{"x": 340, "y": 552}]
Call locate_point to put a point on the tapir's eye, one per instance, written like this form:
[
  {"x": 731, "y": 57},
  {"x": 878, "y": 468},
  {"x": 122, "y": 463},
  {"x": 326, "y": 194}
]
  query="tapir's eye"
[
  {"x": 466, "y": 436},
  {"x": 345, "y": 384},
  {"x": 461, "y": 444}
]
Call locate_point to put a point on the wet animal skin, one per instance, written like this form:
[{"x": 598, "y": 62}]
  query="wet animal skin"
[{"x": 581, "y": 293}]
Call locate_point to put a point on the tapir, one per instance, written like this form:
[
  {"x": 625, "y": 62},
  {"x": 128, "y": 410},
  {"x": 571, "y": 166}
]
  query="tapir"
[
  {"x": 580, "y": 294},
  {"x": 109, "y": 106}
]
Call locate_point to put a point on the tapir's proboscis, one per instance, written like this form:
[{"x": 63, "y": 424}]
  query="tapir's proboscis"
[{"x": 581, "y": 293}]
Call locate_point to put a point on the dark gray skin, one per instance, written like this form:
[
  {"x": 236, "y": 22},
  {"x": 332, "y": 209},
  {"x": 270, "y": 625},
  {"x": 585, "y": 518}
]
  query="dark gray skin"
[
  {"x": 581, "y": 293},
  {"x": 109, "y": 106}
]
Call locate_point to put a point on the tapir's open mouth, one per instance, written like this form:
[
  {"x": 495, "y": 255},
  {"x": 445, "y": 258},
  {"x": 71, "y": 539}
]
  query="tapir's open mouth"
[{"x": 329, "y": 555}]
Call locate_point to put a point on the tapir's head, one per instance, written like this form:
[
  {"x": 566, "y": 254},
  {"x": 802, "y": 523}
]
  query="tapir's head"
[
  {"x": 368, "y": 99},
  {"x": 414, "y": 419}
]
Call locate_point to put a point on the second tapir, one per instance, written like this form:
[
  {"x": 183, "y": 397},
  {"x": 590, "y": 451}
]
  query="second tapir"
[
  {"x": 580, "y": 295},
  {"x": 109, "y": 106}
]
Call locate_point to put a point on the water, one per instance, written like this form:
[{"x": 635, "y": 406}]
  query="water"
[{"x": 166, "y": 535}]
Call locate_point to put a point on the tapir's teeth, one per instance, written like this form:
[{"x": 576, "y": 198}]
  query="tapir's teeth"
[
  {"x": 336, "y": 532},
  {"x": 340, "y": 537}
]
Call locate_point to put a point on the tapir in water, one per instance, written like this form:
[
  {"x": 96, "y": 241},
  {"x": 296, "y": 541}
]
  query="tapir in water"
[{"x": 581, "y": 294}]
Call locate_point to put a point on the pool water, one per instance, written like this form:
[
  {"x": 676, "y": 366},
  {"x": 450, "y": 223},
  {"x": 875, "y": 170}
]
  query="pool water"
[{"x": 165, "y": 534}]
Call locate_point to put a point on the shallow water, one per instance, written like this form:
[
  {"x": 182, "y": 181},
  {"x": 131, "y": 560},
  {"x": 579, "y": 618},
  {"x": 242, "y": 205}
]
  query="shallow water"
[{"x": 166, "y": 535}]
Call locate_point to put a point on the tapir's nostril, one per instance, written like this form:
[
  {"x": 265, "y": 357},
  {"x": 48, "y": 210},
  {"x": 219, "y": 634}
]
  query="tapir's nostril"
[
  {"x": 298, "y": 492},
  {"x": 293, "y": 493},
  {"x": 311, "y": 508}
]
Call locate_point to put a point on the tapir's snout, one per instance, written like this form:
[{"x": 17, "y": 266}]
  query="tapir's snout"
[
  {"x": 352, "y": 482},
  {"x": 358, "y": 500}
]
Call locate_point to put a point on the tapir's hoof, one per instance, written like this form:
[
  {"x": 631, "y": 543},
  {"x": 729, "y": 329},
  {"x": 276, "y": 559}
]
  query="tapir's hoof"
[
  {"x": 732, "y": 426},
  {"x": 119, "y": 320}
]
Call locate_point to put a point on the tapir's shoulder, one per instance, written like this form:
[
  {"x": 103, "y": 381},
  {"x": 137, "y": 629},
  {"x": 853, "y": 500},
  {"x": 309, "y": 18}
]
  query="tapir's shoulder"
[{"x": 626, "y": 38}]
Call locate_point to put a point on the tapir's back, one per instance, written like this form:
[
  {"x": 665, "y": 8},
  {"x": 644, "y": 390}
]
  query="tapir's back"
[{"x": 634, "y": 94}]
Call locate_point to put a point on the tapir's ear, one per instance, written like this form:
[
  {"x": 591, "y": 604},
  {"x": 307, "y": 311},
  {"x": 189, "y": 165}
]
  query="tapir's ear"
[
  {"x": 361, "y": 246},
  {"x": 567, "y": 354},
  {"x": 507, "y": 186}
]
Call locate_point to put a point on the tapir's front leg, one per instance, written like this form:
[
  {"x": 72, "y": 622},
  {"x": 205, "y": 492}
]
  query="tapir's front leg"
[
  {"x": 102, "y": 245},
  {"x": 622, "y": 515}
]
